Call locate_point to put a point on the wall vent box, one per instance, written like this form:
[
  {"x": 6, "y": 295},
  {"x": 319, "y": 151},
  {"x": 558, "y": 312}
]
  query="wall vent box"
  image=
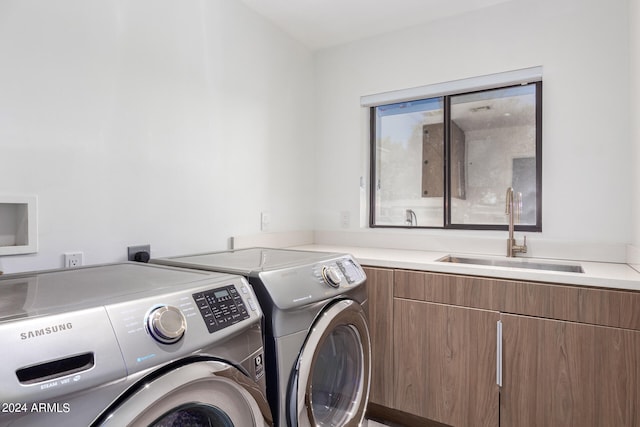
[{"x": 18, "y": 225}]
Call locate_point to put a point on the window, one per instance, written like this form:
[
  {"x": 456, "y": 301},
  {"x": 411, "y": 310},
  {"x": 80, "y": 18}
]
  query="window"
[{"x": 446, "y": 161}]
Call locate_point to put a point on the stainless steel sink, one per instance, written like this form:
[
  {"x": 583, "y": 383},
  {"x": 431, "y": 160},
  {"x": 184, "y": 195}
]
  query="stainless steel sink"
[{"x": 513, "y": 263}]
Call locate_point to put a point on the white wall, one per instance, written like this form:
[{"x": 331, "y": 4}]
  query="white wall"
[
  {"x": 176, "y": 124},
  {"x": 154, "y": 121},
  {"x": 583, "y": 46}
]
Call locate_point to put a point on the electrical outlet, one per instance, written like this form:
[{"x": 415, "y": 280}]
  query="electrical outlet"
[
  {"x": 73, "y": 259},
  {"x": 265, "y": 221},
  {"x": 139, "y": 249},
  {"x": 345, "y": 219}
]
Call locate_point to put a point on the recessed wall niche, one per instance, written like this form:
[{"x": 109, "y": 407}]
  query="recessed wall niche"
[{"x": 18, "y": 225}]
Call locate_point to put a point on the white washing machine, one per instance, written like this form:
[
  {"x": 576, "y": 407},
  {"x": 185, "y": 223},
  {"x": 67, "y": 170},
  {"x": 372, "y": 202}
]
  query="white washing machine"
[
  {"x": 130, "y": 345},
  {"x": 317, "y": 343}
]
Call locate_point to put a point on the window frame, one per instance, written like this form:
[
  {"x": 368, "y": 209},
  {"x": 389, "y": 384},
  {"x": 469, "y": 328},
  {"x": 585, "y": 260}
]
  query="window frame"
[{"x": 447, "y": 224}]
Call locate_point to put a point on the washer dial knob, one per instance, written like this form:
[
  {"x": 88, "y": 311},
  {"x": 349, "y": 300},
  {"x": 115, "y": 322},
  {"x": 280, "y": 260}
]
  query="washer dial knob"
[
  {"x": 331, "y": 276},
  {"x": 166, "y": 324}
]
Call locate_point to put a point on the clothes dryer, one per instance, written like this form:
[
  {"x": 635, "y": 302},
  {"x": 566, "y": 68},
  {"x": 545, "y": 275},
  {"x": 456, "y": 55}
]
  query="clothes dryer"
[
  {"x": 131, "y": 345},
  {"x": 317, "y": 344}
]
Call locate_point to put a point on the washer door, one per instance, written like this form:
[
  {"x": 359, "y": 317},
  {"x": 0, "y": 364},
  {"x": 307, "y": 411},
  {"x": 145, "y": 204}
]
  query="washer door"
[
  {"x": 330, "y": 386},
  {"x": 208, "y": 393}
]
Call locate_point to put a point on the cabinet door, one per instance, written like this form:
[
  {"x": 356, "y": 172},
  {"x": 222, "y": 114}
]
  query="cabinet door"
[
  {"x": 558, "y": 373},
  {"x": 380, "y": 316},
  {"x": 445, "y": 363}
]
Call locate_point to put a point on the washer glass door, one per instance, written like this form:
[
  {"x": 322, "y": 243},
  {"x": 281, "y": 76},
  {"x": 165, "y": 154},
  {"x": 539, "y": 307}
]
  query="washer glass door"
[
  {"x": 334, "y": 369},
  {"x": 206, "y": 393},
  {"x": 194, "y": 415}
]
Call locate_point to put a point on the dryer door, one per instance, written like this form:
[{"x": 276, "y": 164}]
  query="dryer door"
[
  {"x": 206, "y": 393},
  {"x": 331, "y": 384}
]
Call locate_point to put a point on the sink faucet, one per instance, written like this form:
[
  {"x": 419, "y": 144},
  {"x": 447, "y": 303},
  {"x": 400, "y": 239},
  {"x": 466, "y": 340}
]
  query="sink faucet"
[
  {"x": 513, "y": 209},
  {"x": 411, "y": 218}
]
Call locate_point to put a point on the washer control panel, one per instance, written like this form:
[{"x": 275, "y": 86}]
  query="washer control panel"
[
  {"x": 166, "y": 324},
  {"x": 73, "y": 330},
  {"x": 152, "y": 330},
  {"x": 222, "y": 307}
]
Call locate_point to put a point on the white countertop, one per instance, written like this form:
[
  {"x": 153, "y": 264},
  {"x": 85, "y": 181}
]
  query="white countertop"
[{"x": 596, "y": 274}]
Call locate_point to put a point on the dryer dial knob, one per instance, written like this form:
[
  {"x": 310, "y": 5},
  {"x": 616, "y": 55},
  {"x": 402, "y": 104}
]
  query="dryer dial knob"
[
  {"x": 331, "y": 276},
  {"x": 166, "y": 324}
]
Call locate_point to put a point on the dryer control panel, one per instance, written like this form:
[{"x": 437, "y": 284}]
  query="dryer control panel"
[
  {"x": 222, "y": 307},
  {"x": 352, "y": 272},
  {"x": 301, "y": 285}
]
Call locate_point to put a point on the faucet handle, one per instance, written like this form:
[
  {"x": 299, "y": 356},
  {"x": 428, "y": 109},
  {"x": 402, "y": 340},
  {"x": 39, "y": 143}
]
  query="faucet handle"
[{"x": 523, "y": 248}]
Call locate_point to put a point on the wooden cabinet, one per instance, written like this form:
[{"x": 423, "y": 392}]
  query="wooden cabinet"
[
  {"x": 445, "y": 363},
  {"x": 380, "y": 316},
  {"x": 558, "y": 373},
  {"x": 570, "y": 355}
]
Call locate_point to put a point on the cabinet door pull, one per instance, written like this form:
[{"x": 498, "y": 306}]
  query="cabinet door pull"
[{"x": 499, "y": 353}]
